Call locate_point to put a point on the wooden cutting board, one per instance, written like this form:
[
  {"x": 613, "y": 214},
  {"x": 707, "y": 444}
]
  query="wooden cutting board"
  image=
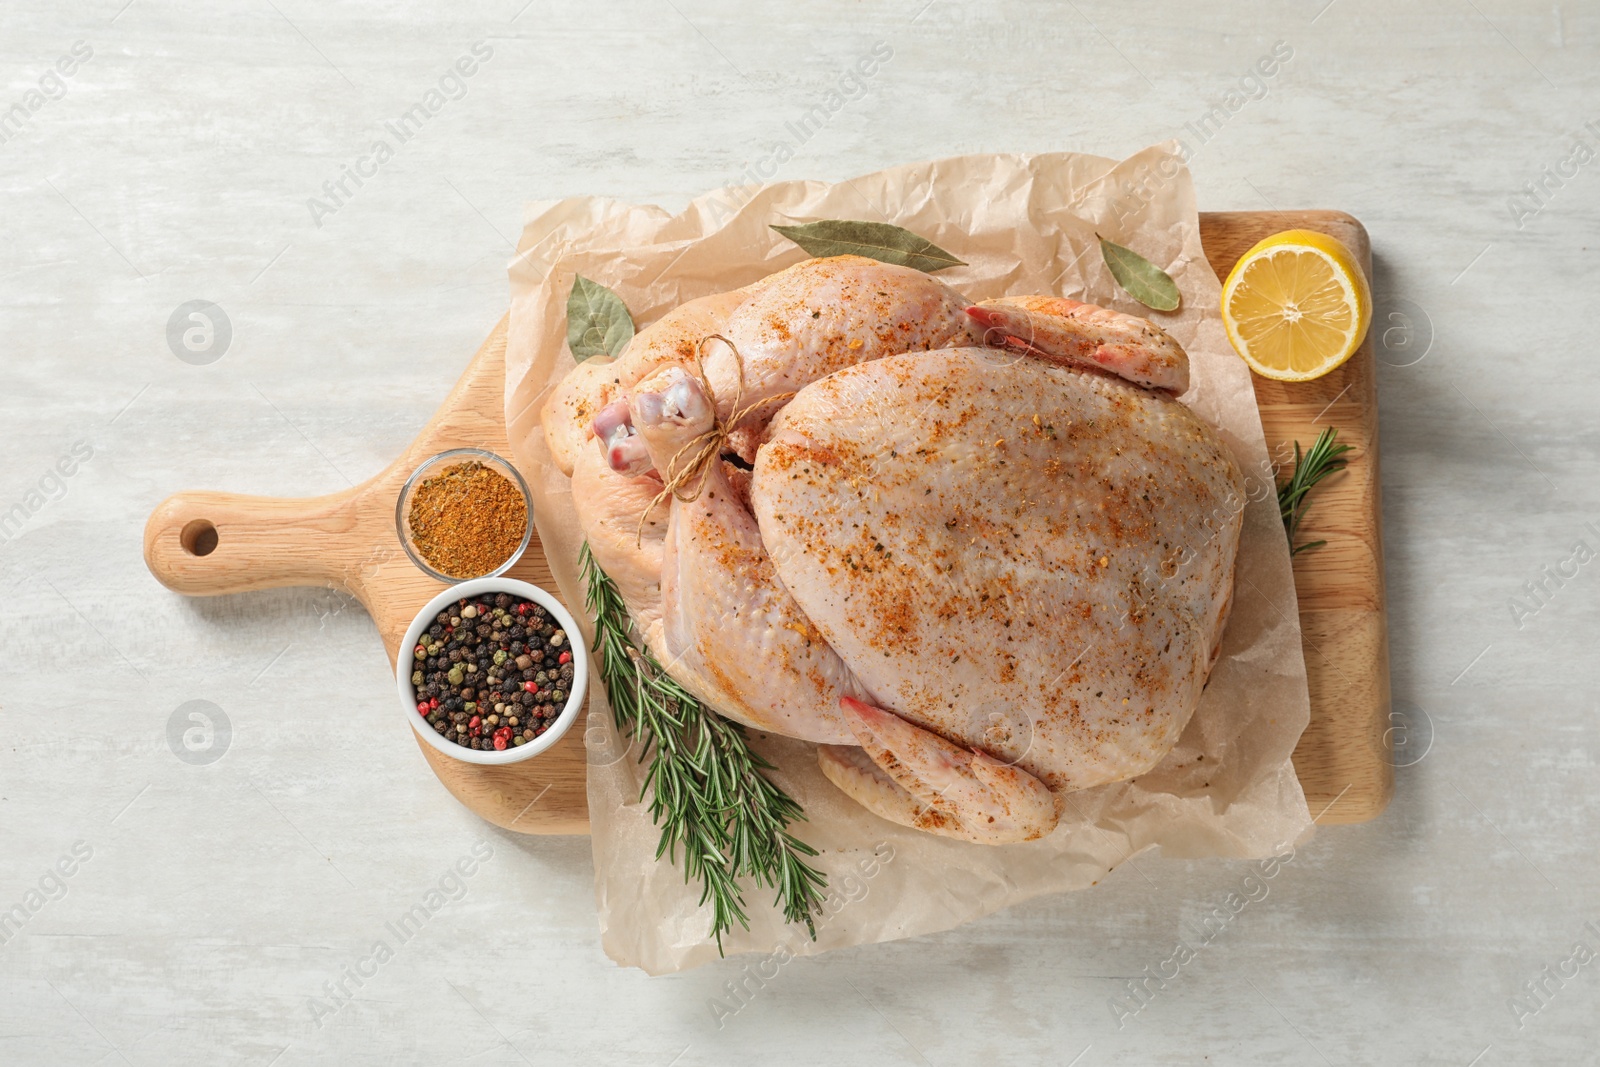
[{"x": 205, "y": 544}]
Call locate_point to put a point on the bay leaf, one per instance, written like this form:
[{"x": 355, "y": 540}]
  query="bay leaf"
[
  {"x": 1144, "y": 281},
  {"x": 598, "y": 323},
  {"x": 882, "y": 241}
]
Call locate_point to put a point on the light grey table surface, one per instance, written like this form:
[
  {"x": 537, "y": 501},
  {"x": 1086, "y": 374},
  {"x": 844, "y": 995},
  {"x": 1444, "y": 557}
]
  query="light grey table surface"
[{"x": 210, "y": 903}]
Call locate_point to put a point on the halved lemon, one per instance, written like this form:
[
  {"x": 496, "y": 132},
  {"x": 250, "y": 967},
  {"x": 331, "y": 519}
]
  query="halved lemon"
[{"x": 1296, "y": 305}]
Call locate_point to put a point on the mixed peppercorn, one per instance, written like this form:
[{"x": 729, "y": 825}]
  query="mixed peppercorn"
[{"x": 492, "y": 671}]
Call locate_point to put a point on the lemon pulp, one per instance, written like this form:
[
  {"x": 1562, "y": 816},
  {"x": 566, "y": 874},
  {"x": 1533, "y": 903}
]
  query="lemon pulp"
[{"x": 1296, "y": 305}]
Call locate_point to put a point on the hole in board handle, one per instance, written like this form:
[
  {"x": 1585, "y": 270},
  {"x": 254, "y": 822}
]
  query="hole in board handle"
[{"x": 199, "y": 537}]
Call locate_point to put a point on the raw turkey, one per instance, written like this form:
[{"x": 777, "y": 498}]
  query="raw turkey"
[{"x": 981, "y": 554}]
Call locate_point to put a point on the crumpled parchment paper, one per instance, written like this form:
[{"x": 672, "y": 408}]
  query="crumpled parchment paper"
[{"x": 1023, "y": 224}]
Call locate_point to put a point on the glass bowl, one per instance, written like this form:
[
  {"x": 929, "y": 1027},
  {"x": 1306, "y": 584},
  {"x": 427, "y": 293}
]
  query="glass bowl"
[{"x": 437, "y": 464}]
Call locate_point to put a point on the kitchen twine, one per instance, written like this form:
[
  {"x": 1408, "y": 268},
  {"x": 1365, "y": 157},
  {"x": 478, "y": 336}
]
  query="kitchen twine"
[{"x": 705, "y": 449}]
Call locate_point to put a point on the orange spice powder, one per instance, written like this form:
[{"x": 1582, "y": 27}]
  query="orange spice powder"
[{"x": 467, "y": 520}]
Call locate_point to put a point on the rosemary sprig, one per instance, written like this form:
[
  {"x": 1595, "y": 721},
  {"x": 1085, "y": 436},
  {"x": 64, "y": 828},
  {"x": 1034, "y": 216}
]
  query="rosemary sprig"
[
  {"x": 1323, "y": 458},
  {"x": 706, "y": 787}
]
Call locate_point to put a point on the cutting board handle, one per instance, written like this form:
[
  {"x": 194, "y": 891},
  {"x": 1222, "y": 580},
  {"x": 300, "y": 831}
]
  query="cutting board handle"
[{"x": 205, "y": 544}]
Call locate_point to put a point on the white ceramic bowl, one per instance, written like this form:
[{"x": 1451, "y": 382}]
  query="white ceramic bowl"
[{"x": 404, "y": 665}]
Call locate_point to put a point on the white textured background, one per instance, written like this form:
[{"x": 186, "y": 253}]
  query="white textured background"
[{"x": 219, "y": 898}]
